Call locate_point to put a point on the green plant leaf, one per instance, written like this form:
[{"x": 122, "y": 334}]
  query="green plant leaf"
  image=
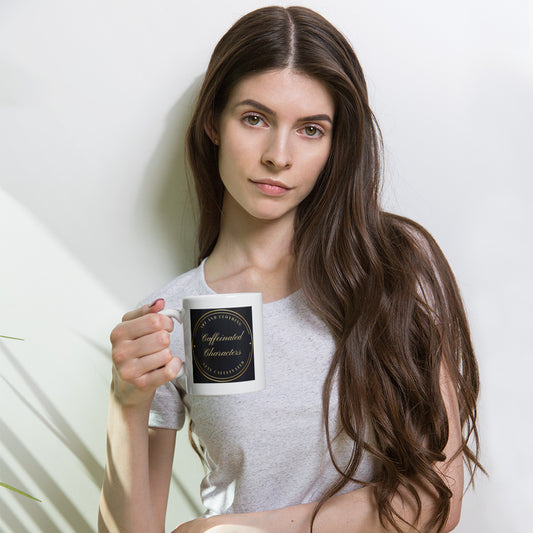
[
  {"x": 18, "y": 491},
  {"x": 12, "y": 338}
]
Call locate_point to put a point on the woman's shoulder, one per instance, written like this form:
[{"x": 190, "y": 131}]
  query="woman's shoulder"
[{"x": 187, "y": 284}]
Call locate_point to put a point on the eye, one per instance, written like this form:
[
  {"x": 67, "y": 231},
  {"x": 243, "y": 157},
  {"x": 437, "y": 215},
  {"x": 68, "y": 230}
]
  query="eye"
[
  {"x": 312, "y": 131},
  {"x": 253, "y": 120}
]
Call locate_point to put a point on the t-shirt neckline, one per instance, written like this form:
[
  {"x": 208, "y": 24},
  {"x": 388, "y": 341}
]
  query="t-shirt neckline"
[{"x": 282, "y": 301}]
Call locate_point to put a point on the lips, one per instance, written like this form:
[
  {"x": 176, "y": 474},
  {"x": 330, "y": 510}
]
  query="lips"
[{"x": 271, "y": 187}]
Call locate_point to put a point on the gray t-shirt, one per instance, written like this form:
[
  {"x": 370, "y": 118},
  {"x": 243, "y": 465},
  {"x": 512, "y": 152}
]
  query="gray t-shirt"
[{"x": 264, "y": 450}]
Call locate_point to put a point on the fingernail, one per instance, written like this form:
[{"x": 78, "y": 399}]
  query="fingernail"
[{"x": 158, "y": 300}]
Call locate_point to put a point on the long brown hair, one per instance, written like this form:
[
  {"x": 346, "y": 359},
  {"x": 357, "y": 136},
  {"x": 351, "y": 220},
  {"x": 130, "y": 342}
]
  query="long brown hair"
[{"x": 378, "y": 280}]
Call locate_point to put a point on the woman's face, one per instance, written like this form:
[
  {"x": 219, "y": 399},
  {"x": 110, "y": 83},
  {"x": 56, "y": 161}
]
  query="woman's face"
[{"x": 274, "y": 139}]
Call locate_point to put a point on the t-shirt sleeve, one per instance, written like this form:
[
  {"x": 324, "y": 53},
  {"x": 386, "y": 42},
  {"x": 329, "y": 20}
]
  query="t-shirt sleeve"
[{"x": 167, "y": 409}]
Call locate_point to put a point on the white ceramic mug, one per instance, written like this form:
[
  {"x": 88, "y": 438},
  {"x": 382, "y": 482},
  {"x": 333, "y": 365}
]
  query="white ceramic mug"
[{"x": 223, "y": 341}]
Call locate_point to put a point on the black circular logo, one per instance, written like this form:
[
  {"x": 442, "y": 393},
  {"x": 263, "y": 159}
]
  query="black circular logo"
[{"x": 222, "y": 345}]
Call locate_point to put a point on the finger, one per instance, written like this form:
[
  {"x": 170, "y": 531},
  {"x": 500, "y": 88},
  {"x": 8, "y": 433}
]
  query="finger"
[
  {"x": 156, "y": 361},
  {"x": 126, "y": 352},
  {"x": 155, "y": 307},
  {"x": 135, "y": 368},
  {"x": 160, "y": 376},
  {"x": 150, "y": 344},
  {"x": 139, "y": 327}
]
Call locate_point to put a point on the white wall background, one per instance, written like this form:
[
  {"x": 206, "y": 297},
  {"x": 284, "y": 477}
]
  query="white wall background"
[{"x": 94, "y": 98}]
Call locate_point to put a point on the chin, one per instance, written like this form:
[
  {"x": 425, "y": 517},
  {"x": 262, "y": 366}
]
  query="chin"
[{"x": 270, "y": 215}]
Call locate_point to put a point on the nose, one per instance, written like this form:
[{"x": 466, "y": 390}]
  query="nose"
[{"x": 277, "y": 153}]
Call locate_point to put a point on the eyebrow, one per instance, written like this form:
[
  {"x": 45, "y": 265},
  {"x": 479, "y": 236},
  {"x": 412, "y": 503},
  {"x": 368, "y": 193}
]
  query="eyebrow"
[{"x": 268, "y": 111}]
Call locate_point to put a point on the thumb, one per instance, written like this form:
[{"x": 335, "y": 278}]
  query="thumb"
[
  {"x": 157, "y": 306},
  {"x": 175, "y": 365}
]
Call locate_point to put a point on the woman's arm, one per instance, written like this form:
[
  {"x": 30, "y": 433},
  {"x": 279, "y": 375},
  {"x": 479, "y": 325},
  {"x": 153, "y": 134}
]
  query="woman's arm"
[
  {"x": 139, "y": 461},
  {"x": 161, "y": 445},
  {"x": 354, "y": 512}
]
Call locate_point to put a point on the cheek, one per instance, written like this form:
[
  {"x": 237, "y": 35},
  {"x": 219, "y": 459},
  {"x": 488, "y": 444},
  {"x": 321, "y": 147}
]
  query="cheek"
[
  {"x": 236, "y": 151},
  {"x": 230, "y": 162},
  {"x": 315, "y": 164}
]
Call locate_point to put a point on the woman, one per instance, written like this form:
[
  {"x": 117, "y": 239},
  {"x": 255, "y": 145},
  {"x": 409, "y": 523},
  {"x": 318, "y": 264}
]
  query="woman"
[{"x": 285, "y": 155}]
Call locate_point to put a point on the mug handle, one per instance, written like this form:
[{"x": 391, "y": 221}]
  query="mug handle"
[{"x": 176, "y": 314}]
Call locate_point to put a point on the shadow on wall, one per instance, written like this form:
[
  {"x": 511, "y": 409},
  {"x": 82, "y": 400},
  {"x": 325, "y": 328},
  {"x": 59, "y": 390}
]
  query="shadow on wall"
[
  {"x": 59, "y": 426},
  {"x": 166, "y": 191},
  {"x": 28, "y": 462},
  {"x": 52, "y": 431},
  {"x": 167, "y": 197}
]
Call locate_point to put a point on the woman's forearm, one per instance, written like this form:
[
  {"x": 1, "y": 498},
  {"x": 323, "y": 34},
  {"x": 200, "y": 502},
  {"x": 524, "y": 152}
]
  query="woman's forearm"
[
  {"x": 125, "y": 503},
  {"x": 354, "y": 512},
  {"x": 142, "y": 361}
]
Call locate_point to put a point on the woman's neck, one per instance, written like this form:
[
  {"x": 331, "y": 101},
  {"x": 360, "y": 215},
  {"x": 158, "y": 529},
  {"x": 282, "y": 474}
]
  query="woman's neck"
[{"x": 253, "y": 255}]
